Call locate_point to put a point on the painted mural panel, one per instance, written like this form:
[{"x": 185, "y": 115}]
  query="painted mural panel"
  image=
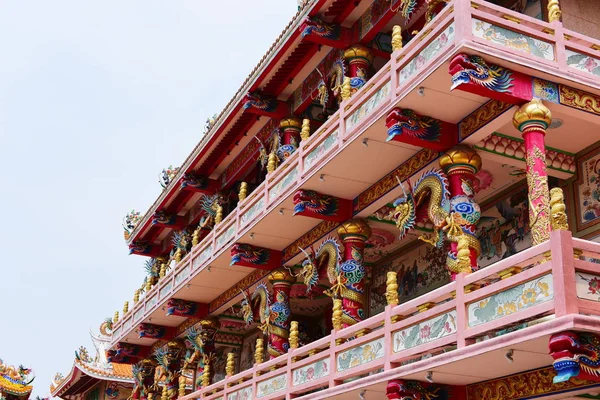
[
  {"x": 425, "y": 332},
  {"x": 310, "y": 372},
  {"x": 419, "y": 272},
  {"x": 588, "y": 286},
  {"x": 503, "y": 229},
  {"x": 272, "y": 385},
  {"x": 116, "y": 391},
  {"x": 360, "y": 355},
  {"x": 583, "y": 62},
  {"x": 510, "y": 301},
  {"x": 428, "y": 53},
  {"x": 242, "y": 394},
  {"x": 588, "y": 192}
]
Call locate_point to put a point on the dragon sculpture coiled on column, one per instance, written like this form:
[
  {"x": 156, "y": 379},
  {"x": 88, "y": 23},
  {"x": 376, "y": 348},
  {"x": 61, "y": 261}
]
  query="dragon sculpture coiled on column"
[
  {"x": 143, "y": 376},
  {"x": 430, "y": 200},
  {"x": 170, "y": 358}
]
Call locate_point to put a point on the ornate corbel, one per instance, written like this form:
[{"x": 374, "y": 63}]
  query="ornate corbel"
[
  {"x": 260, "y": 104},
  {"x": 246, "y": 255},
  {"x": 406, "y": 126},
  {"x": 186, "y": 308},
  {"x": 313, "y": 204}
]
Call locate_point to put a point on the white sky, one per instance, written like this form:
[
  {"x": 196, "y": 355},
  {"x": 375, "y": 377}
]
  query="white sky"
[{"x": 96, "y": 97}]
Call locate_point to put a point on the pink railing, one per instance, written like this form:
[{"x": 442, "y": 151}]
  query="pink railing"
[
  {"x": 452, "y": 29},
  {"x": 551, "y": 267}
]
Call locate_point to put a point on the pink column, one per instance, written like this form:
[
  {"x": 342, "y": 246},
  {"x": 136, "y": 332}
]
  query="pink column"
[{"x": 532, "y": 119}]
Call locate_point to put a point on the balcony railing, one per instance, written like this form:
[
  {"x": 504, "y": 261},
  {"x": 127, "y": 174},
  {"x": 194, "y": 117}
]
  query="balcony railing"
[
  {"x": 542, "y": 281},
  {"x": 475, "y": 24}
]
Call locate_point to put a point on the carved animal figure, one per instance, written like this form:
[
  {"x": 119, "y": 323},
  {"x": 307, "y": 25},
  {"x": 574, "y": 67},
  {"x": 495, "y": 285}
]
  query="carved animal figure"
[
  {"x": 242, "y": 252},
  {"x": 576, "y": 354},
  {"x": 260, "y": 102},
  {"x": 210, "y": 205},
  {"x": 411, "y": 390},
  {"x": 404, "y": 122},
  {"x": 309, "y": 200},
  {"x": 474, "y": 69},
  {"x": 170, "y": 359},
  {"x": 143, "y": 376},
  {"x": 319, "y": 28}
]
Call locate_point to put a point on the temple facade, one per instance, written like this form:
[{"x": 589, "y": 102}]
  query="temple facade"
[{"x": 401, "y": 201}]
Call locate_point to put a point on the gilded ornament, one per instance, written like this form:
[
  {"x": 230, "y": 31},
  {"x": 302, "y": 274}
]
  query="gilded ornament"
[
  {"x": 148, "y": 285},
  {"x": 196, "y": 236},
  {"x": 558, "y": 210},
  {"x": 219, "y": 214},
  {"x": 294, "y": 335},
  {"x": 355, "y": 227},
  {"x": 463, "y": 255},
  {"x": 461, "y": 155},
  {"x": 125, "y": 307},
  {"x": 391, "y": 292},
  {"x": 554, "y": 12},
  {"x": 116, "y": 317},
  {"x": 532, "y": 112},
  {"x": 358, "y": 51},
  {"x": 165, "y": 394},
  {"x": 336, "y": 317},
  {"x": 305, "y": 132},
  {"x": 346, "y": 91},
  {"x": 243, "y": 191},
  {"x": 181, "y": 392},
  {"x": 281, "y": 275},
  {"x": 579, "y": 99},
  {"x": 136, "y": 296},
  {"x": 259, "y": 351},
  {"x": 230, "y": 367},
  {"x": 163, "y": 266},
  {"x": 272, "y": 162},
  {"x": 396, "y": 38}
]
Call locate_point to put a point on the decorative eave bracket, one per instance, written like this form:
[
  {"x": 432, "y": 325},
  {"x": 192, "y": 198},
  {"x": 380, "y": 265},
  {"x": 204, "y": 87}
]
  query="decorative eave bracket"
[
  {"x": 257, "y": 103},
  {"x": 173, "y": 221},
  {"x": 246, "y": 255},
  {"x": 186, "y": 308},
  {"x": 198, "y": 183},
  {"x": 406, "y": 126},
  {"x": 319, "y": 32},
  {"x": 151, "y": 331},
  {"x": 309, "y": 203}
]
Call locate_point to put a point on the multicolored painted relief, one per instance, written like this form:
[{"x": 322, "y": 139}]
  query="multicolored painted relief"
[
  {"x": 418, "y": 272},
  {"x": 510, "y": 301},
  {"x": 184, "y": 273},
  {"x": 405, "y": 122},
  {"x": 203, "y": 256},
  {"x": 425, "y": 332},
  {"x": 546, "y": 90},
  {"x": 272, "y": 385},
  {"x": 242, "y": 394},
  {"x": 473, "y": 70},
  {"x": 583, "y": 62},
  {"x": 526, "y": 385},
  {"x": 246, "y": 254},
  {"x": 373, "y": 15},
  {"x": 588, "y": 286},
  {"x": 310, "y": 372},
  {"x": 314, "y": 26},
  {"x": 482, "y": 116},
  {"x": 360, "y": 355},
  {"x": 503, "y": 229},
  {"x": 276, "y": 190},
  {"x": 253, "y": 211},
  {"x": 226, "y": 236},
  {"x": 514, "y": 148},
  {"x": 579, "y": 99},
  {"x": 428, "y": 53},
  {"x": 367, "y": 107},
  {"x": 513, "y": 40},
  {"x": 588, "y": 192},
  {"x": 260, "y": 102},
  {"x": 318, "y": 152},
  {"x": 576, "y": 355}
]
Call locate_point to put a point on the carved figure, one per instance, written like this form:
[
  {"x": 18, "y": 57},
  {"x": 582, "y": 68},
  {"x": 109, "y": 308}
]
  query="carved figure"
[
  {"x": 210, "y": 205},
  {"x": 317, "y": 27},
  {"x": 260, "y": 102},
  {"x": 575, "y": 355},
  {"x": 474, "y": 69},
  {"x": 411, "y": 390},
  {"x": 246, "y": 253},
  {"x": 170, "y": 358},
  {"x": 404, "y": 122},
  {"x": 143, "y": 376},
  {"x": 167, "y": 175},
  {"x": 309, "y": 200},
  {"x": 130, "y": 222}
]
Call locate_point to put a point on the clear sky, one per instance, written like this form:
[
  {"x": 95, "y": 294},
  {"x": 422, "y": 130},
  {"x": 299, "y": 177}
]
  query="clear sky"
[{"x": 96, "y": 97}]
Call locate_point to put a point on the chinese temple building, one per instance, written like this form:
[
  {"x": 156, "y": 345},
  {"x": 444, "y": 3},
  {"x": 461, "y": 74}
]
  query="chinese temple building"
[
  {"x": 95, "y": 378},
  {"x": 15, "y": 382},
  {"x": 401, "y": 201}
]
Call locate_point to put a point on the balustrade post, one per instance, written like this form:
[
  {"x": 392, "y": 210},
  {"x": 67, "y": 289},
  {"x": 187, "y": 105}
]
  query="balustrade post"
[
  {"x": 462, "y": 20},
  {"x": 532, "y": 119},
  {"x": 563, "y": 273},
  {"x": 461, "y": 313}
]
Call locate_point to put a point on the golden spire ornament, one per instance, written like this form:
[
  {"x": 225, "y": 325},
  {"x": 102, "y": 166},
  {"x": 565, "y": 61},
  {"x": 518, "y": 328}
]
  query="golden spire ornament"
[
  {"x": 163, "y": 266},
  {"x": 116, "y": 317},
  {"x": 272, "y": 162},
  {"x": 554, "y": 12},
  {"x": 230, "y": 366},
  {"x": 181, "y": 392},
  {"x": 463, "y": 255},
  {"x": 396, "y": 38},
  {"x": 294, "y": 335},
  {"x": 305, "y": 132},
  {"x": 259, "y": 351},
  {"x": 219, "y": 214},
  {"x": 558, "y": 210},
  {"x": 346, "y": 89},
  {"x": 136, "y": 296},
  {"x": 125, "y": 307},
  {"x": 148, "y": 285},
  {"x": 243, "y": 191},
  {"x": 196, "y": 236},
  {"x": 391, "y": 291}
]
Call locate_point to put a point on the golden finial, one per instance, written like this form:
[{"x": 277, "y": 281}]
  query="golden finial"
[
  {"x": 243, "y": 191},
  {"x": 125, "y": 307},
  {"x": 391, "y": 291},
  {"x": 165, "y": 395},
  {"x": 558, "y": 210},
  {"x": 461, "y": 156},
  {"x": 305, "y": 132},
  {"x": 554, "y": 12},
  {"x": 196, "y": 236},
  {"x": 148, "y": 285},
  {"x": 219, "y": 214},
  {"x": 463, "y": 255},
  {"x": 534, "y": 111},
  {"x": 116, "y": 317},
  {"x": 206, "y": 375},
  {"x": 136, "y": 296},
  {"x": 259, "y": 351},
  {"x": 396, "y": 38},
  {"x": 230, "y": 367},
  {"x": 294, "y": 334},
  {"x": 163, "y": 266},
  {"x": 181, "y": 386},
  {"x": 336, "y": 317},
  {"x": 346, "y": 89},
  {"x": 271, "y": 162}
]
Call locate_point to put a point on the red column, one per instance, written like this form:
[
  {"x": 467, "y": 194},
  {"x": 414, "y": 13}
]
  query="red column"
[
  {"x": 279, "y": 330},
  {"x": 290, "y": 137},
  {"x": 354, "y": 233},
  {"x": 460, "y": 165},
  {"x": 359, "y": 60},
  {"x": 532, "y": 119}
]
